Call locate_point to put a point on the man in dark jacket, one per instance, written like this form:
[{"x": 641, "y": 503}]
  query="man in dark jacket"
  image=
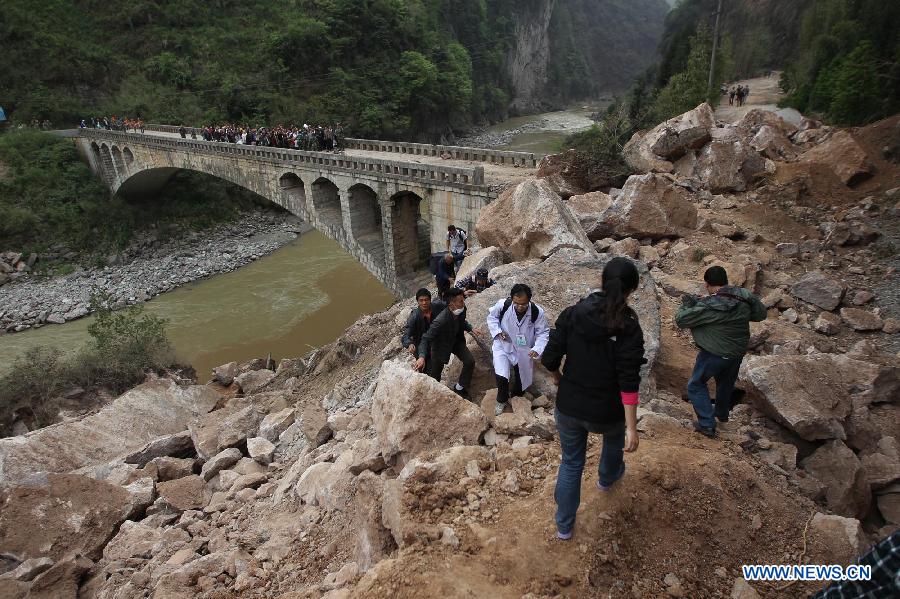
[
  {"x": 420, "y": 320},
  {"x": 720, "y": 324},
  {"x": 475, "y": 283},
  {"x": 446, "y": 336},
  {"x": 445, "y": 276}
]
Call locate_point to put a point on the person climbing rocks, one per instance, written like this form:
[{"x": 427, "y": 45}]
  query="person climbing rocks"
[
  {"x": 475, "y": 283},
  {"x": 446, "y": 336},
  {"x": 457, "y": 243},
  {"x": 520, "y": 332},
  {"x": 420, "y": 320},
  {"x": 445, "y": 275},
  {"x": 720, "y": 324},
  {"x": 603, "y": 345}
]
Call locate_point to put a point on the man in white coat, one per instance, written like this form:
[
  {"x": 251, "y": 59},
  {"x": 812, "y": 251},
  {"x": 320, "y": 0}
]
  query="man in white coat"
[{"x": 520, "y": 331}]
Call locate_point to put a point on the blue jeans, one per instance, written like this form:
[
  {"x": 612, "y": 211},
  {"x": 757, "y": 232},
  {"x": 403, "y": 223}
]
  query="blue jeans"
[
  {"x": 725, "y": 371},
  {"x": 573, "y": 435},
  {"x": 458, "y": 258}
]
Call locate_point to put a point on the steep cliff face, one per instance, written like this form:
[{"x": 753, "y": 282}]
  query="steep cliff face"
[
  {"x": 564, "y": 50},
  {"x": 529, "y": 57}
]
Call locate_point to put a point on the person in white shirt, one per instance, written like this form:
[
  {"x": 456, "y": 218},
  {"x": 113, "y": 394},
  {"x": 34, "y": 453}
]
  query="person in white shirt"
[
  {"x": 520, "y": 331},
  {"x": 457, "y": 244}
]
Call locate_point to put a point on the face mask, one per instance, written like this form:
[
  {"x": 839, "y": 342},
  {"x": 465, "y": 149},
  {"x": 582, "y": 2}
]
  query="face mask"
[{"x": 458, "y": 311}]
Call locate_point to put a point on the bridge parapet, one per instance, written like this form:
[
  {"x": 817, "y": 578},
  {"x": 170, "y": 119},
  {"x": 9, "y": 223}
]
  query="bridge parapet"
[
  {"x": 527, "y": 159},
  {"x": 510, "y": 157},
  {"x": 424, "y": 173}
]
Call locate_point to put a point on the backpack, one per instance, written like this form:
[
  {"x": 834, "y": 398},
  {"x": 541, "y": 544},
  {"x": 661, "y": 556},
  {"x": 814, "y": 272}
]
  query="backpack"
[
  {"x": 434, "y": 261},
  {"x": 534, "y": 310}
]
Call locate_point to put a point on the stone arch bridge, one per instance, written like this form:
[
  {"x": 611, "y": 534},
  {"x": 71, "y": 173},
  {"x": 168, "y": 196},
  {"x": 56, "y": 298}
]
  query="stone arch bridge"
[{"x": 389, "y": 214}]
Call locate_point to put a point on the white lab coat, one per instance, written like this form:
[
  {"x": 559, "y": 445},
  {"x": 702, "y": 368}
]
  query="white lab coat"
[{"x": 506, "y": 353}]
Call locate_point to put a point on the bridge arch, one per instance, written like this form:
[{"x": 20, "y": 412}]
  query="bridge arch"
[
  {"x": 106, "y": 163},
  {"x": 326, "y": 199},
  {"x": 412, "y": 243},
  {"x": 118, "y": 160},
  {"x": 293, "y": 187},
  {"x": 365, "y": 219},
  {"x": 129, "y": 157}
]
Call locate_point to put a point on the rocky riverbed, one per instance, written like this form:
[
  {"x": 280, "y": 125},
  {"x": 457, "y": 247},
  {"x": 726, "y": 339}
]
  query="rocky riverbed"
[{"x": 151, "y": 267}]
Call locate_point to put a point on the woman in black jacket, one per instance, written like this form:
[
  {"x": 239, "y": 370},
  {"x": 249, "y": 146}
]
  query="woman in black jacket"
[{"x": 603, "y": 344}]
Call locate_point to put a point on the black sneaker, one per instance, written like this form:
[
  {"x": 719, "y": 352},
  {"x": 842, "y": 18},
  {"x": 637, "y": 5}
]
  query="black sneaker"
[
  {"x": 721, "y": 418},
  {"x": 706, "y": 432}
]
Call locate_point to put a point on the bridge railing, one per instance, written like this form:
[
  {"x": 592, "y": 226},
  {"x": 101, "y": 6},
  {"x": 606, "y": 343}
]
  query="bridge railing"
[
  {"x": 373, "y": 166},
  {"x": 527, "y": 159}
]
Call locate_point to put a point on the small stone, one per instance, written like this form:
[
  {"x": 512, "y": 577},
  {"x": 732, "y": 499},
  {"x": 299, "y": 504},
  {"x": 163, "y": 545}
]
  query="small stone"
[
  {"x": 862, "y": 297},
  {"x": 510, "y": 482},
  {"x": 743, "y": 590},
  {"x": 449, "y": 538},
  {"x": 827, "y": 323},
  {"x": 261, "y": 450},
  {"x": 673, "y": 585},
  {"x": 790, "y": 315},
  {"x": 891, "y": 326},
  {"x": 861, "y": 320},
  {"x": 756, "y": 522},
  {"x": 222, "y": 460}
]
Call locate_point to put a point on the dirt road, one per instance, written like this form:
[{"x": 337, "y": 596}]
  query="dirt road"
[{"x": 764, "y": 93}]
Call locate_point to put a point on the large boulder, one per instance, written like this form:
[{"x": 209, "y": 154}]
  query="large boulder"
[
  {"x": 55, "y": 515},
  {"x": 755, "y": 120},
  {"x": 846, "y": 488},
  {"x": 844, "y": 156},
  {"x": 413, "y": 413},
  {"x": 728, "y": 165},
  {"x": 224, "y": 428},
  {"x": 654, "y": 150},
  {"x": 147, "y": 412},
  {"x": 816, "y": 288},
  {"x": 835, "y": 539},
  {"x": 530, "y": 221},
  {"x": 569, "y": 174},
  {"x": 589, "y": 208},
  {"x": 813, "y": 395},
  {"x": 488, "y": 258},
  {"x": 650, "y": 205},
  {"x": 772, "y": 143}
]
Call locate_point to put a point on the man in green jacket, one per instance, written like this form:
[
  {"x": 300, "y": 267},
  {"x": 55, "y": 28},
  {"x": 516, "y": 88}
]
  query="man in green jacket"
[{"x": 720, "y": 323}]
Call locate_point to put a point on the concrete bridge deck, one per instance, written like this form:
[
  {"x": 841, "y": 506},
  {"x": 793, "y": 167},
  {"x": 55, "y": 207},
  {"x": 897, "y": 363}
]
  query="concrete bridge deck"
[
  {"x": 500, "y": 166},
  {"x": 386, "y": 203}
]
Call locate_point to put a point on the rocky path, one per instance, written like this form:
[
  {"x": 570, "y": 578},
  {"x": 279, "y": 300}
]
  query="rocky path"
[
  {"x": 764, "y": 94},
  {"x": 154, "y": 268}
]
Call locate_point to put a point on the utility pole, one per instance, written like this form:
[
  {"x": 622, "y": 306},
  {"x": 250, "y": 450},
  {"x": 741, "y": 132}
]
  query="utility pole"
[{"x": 712, "y": 61}]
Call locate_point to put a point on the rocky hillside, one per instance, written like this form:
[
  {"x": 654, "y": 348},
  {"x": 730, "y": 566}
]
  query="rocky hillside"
[{"x": 343, "y": 473}]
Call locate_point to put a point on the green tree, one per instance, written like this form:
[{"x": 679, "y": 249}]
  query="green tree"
[{"x": 689, "y": 88}]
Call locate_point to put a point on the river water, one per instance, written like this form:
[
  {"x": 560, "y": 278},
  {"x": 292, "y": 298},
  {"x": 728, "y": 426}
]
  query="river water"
[{"x": 297, "y": 298}]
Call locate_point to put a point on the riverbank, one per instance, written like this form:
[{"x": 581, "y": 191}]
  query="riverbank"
[
  {"x": 541, "y": 133},
  {"x": 154, "y": 266}
]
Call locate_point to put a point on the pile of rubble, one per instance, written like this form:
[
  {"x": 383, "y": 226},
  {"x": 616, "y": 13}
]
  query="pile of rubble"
[{"x": 345, "y": 473}]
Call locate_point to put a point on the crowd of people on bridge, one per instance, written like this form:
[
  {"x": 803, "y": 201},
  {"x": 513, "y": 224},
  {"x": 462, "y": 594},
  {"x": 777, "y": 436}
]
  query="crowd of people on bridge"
[
  {"x": 318, "y": 138},
  {"x": 113, "y": 123}
]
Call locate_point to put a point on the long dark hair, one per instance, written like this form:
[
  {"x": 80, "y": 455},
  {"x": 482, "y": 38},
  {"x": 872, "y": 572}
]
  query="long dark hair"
[{"x": 620, "y": 277}]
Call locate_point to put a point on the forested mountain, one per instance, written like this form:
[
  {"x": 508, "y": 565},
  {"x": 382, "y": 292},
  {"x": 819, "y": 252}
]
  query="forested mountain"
[
  {"x": 841, "y": 58},
  {"x": 390, "y": 67}
]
